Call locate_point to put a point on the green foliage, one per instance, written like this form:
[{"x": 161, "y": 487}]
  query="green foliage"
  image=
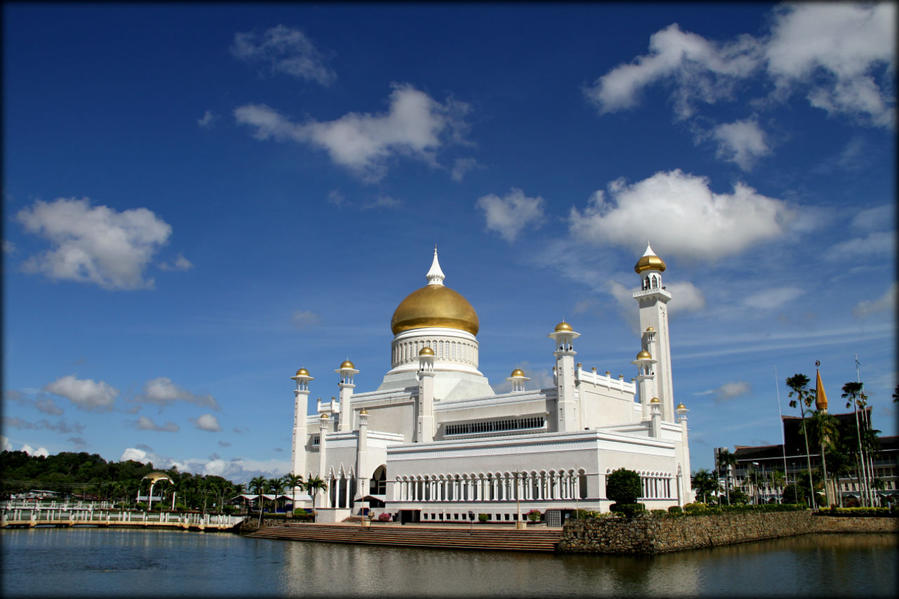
[
  {"x": 534, "y": 515},
  {"x": 623, "y": 486},
  {"x": 675, "y": 510},
  {"x": 627, "y": 510},
  {"x": 482, "y": 518},
  {"x": 794, "y": 493},
  {"x": 586, "y": 515},
  {"x": 860, "y": 511},
  {"x": 697, "y": 507}
]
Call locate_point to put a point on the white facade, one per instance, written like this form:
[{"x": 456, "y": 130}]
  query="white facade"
[{"x": 435, "y": 443}]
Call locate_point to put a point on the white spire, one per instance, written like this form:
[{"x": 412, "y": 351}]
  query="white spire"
[
  {"x": 435, "y": 275},
  {"x": 649, "y": 251}
]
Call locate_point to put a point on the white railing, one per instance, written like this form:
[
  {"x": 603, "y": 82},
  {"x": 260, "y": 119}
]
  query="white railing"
[{"x": 79, "y": 516}]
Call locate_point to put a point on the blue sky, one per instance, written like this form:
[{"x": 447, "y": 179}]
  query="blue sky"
[{"x": 200, "y": 199}]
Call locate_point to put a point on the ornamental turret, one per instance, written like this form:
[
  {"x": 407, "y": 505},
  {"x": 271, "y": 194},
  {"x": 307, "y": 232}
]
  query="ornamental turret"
[
  {"x": 563, "y": 337},
  {"x": 300, "y": 407}
]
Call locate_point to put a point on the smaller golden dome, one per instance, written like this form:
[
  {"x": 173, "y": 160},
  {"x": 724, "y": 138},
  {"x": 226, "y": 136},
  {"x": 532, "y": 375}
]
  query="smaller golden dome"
[
  {"x": 517, "y": 372},
  {"x": 363, "y": 412},
  {"x": 644, "y": 355},
  {"x": 426, "y": 351},
  {"x": 302, "y": 372},
  {"x": 681, "y": 407},
  {"x": 324, "y": 416},
  {"x": 347, "y": 365},
  {"x": 650, "y": 330},
  {"x": 649, "y": 261},
  {"x": 655, "y": 400},
  {"x": 563, "y": 327}
]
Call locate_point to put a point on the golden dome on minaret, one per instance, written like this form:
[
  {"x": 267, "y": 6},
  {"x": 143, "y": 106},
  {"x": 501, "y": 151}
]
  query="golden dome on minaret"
[
  {"x": 517, "y": 372},
  {"x": 434, "y": 305},
  {"x": 426, "y": 351},
  {"x": 563, "y": 327},
  {"x": 302, "y": 372},
  {"x": 649, "y": 261},
  {"x": 347, "y": 365}
]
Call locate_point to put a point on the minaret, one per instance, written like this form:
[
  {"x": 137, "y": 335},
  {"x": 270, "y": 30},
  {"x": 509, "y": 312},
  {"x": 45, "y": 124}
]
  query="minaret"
[
  {"x": 653, "y": 300},
  {"x": 323, "y": 451},
  {"x": 655, "y": 417},
  {"x": 566, "y": 405},
  {"x": 362, "y": 458},
  {"x": 346, "y": 386},
  {"x": 424, "y": 432},
  {"x": 518, "y": 380},
  {"x": 646, "y": 380},
  {"x": 300, "y": 406},
  {"x": 684, "y": 459}
]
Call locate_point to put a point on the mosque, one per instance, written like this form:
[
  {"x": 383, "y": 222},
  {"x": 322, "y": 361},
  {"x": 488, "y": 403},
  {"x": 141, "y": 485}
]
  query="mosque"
[{"x": 435, "y": 443}]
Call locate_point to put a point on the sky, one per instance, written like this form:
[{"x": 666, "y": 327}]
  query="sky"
[{"x": 200, "y": 199}]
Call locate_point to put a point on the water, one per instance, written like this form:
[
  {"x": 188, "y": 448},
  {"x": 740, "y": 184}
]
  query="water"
[{"x": 104, "y": 562}]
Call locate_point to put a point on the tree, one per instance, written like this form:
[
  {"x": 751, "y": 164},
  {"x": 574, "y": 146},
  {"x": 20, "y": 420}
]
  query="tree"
[
  {"x": 293, "y": 481},
  {"x": 854, "y": 394},
  {"x": 825, "y": 431},
  {"x": 705, "y": 483},
  {"x": 726, "y": 460},
  {"x": 794, "y": 493},
  {"x": 259, "y": 485},
  {"x": 801, "y": 395},
  {"x": 624, "y": 486},
  {"x": 276, "y": 487},
  {"x": 313, "y": 485}
]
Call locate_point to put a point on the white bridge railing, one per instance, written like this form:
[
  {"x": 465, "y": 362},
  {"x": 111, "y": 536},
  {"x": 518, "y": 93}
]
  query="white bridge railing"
[{"x": 12, "y": 516}]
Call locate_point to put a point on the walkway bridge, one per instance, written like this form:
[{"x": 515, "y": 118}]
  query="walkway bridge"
[
  {"x": 13, "y": 516},
  {"x": 481, "y": 537}
]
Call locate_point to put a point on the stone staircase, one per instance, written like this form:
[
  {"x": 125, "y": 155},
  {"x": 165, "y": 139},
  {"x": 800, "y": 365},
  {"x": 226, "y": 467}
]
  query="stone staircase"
[{"x": 486, "y": 539}]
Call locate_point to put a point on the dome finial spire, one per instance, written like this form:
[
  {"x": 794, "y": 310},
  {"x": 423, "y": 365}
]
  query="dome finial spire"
[{"x": 435, "y": 276}]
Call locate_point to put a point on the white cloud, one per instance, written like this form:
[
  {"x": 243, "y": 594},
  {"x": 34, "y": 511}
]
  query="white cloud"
[
  {"x": 39, "y": 452},
  {"x": 238, "y": 469},
  {"x": 60, "y": 426},
  {"x": 383, "y": 201},
  {"x": 770, "y": 299},
  {"x": 336, "y": 198},
  {"x": 835, "y": 48},
  {"x": 162, "y": 391},
  {"x": 686, "y": 217},
  {"x": 685, "y": 297},
  {"x": 137, "y": 455},
  {"x": 146, "y": 424},
  {"x": 206, "y": 120},
  {"x": 833, "y": 51},
  {"x": 95, "y": 244},
  {"x": 415, "y": 125},
  {"x": 284, "y": 50},
  {"x": 462, "y": 166},
  {"x": 206, "y": 422},
  {"x": 86, "y": 394},
  {"x": 877, "y": 243},
  {"x": 728, "y": 390},
  {"x": 304, "y": 318},
  {"x": 885, "y": 303},
  {"x": 741, "y": 142},
  {"x": 700, "y": 70},
  {"x": 4, "y": 441},
  {"x": 876, "y": 218},
  {"x": 512, "y": 213},
  {"x": 180, "y": 263}
]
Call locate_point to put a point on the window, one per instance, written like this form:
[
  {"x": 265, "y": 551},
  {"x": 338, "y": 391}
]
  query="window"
[{"x": 491, "y": 426}]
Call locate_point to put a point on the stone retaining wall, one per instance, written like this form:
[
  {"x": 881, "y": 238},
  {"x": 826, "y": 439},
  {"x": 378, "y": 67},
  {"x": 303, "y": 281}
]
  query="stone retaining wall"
[{"x": 651, "y": 535}]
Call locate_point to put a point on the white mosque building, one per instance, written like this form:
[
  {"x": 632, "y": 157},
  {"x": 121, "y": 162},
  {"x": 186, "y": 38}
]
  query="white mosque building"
[{"x": 435, "y": 443}]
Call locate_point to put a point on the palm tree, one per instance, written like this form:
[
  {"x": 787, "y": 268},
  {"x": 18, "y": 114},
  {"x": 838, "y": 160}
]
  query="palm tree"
[
  {"x": 777, "y": 481},
  {"x": 276, "y": 486},
  {"x": 293, "y": 481},
  {"x": 826, "y": 431},
  {"x": 313, "y": 485},
  {"x": 799, "y": 391},
  {"x": 259, "y": 485},
  {"x": 725, "y": 460},
  {"x": 853, "y": 393},
  {"x": 705, "y": 484}
]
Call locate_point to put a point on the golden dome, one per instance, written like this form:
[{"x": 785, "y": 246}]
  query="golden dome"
[
  {"x": 681, "y": 407},
  {"x": 363, "y": 412},
  {"x": 644, "y": 355},
  {"x": 649, "y": 261},
  {"x": 517, "y": 372},
  {"x": 563, "y": 327},
  {"x": 434, "y": 306},
  {"x": 426, "y": 351},
  {"x": 302, "y": 372},
  {"x": 324, "y": 416},
  {"x": 655, "y": 400},
  {"x": 650, "y": 330},
  {"x": 347, "y": 365}
]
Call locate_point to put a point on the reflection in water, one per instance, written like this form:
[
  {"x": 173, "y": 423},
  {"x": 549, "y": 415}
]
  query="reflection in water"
[{"x": 122, "y": 562}]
